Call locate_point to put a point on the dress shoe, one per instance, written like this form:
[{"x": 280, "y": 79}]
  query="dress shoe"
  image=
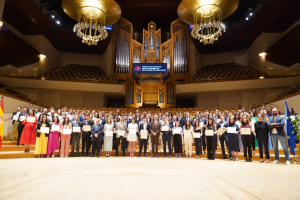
[
  {"x": 152, "y": 156},
  {"x": 145, "y": 155},
  {"x": 124, "y": 155},
  {"x": 98, "y": 155},
  {"x": 138, "y": 155},
  {"x": 157, "y": 156},
  {"x": 116, "y": 155},
  {"x": 77, "y": 155},
  {"x": 250, "y": 160},
  {"x": 224, "y": 158},
  {"x": 246, "y": 160},
  {"x": 92, "y": 155},
  {"x": 231, "y": 158},
  {"x": 72, "y": 155},
  {"x": 164, "y": 156},
  {"x": 81, "y": 155}
]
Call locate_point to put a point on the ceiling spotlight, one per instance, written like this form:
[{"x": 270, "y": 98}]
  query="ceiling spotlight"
[
  {"x": 42, "y": 56},
  {"x": 58, "y": 22},
  {"x": 262, "y": 54},
  {"x": 52, "y": 16},
  {"x": 247, "y": 18},
  {"x": 251, "y": 14}
]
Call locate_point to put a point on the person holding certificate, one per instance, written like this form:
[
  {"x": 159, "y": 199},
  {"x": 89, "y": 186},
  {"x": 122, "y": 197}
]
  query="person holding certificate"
[
  {"x": 86, "y": 135},
  {"x": 15, "y": 118},
  {"x": 75, "y": 137},
  {"x": 188, "y": 139},
  {"x": 42, "y": 137},
  {"x": 246, "y": 130},
  {"x": 262, "y": 135},
  {"x": 108, "y": 136},
  {"x": 210, "y": 131},
  {"x": 121, "y": 129},
  {"x": 233, "y": 139},
  {"x": 155, "y": 127},
  {"x": 132, "y": 131},
  {"x": 29, "y": 132},
  {"x": 166, "y": 137},
  {"x": 144, "y": 135},
  {"x": 65, "y": 135},
  {"x": 53, "y": 137},
  {"x": 177, "y": 132},
  {"x": 97, "y": 137},
  {"x": 222, "y": 130},
  {"x": 197, "y": 138}
]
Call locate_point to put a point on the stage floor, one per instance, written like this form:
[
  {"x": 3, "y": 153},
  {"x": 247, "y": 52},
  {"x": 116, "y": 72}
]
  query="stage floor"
[{"x": 146, "y": 178}]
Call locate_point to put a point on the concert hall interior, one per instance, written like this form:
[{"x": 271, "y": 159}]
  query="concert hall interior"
[{"x": 94, "y": 91}]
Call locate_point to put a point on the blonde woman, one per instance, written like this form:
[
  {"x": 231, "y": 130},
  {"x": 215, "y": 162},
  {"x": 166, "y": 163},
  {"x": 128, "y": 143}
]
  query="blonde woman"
[{"x": 107, "y": 146}]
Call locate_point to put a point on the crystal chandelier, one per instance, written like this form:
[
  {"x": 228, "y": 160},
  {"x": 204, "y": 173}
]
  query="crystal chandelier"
[
  {"x": 208, "y": 24},
  {"x": 90, "y": 25}
]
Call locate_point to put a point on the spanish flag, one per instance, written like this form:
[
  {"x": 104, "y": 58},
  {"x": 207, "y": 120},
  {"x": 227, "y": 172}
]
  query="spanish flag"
[{"x": 1, "y": 121}]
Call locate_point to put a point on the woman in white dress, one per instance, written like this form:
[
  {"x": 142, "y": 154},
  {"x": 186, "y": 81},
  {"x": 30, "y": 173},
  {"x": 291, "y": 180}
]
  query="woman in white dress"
[
  {"x": 107, "y": 147},
  {"x": 132, "y": 137}
]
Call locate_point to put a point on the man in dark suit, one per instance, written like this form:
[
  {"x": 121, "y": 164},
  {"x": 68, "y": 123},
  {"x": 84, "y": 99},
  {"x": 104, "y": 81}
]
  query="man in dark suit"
[
  {"x": 86, "y": 136},
  {"x": 155, "y": 127},
  {"x": 102, "y": 120},
  {"x": 224, "y": 137},
  {"x": 186, "y": 118},
  {"x": 75, "y": 137},
  {"x": 20, "y": 125},
  {"x": 15, "y": 123},
  {"x": 143, "y": 142},
  {"x": 97, "y": 137},
  {"x": 276, "y": 125}
]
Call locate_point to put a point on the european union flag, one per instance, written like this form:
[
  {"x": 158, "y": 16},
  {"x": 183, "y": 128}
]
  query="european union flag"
[{"x": 291, "y": 137}]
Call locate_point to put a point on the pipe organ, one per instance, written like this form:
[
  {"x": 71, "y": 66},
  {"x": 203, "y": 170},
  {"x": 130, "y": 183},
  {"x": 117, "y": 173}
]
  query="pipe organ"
[{"x": 174, "y": 52}]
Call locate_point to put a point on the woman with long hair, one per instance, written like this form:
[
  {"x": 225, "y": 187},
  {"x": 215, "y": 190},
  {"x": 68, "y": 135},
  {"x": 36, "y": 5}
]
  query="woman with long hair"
[
  {"x": 233, "y": 139},
  {"x": 42, "y": 138},
  {"x": 65, "y": 137},
  {"x": 28, "y": 136},
  {"x": 132, "y": 140},
  {"x": 247, "y": 139},
  {"x": 53, "y": 138},
  {"x": 108, "y": 140},
  {"x": 198, "y": 141},
  {"x": 177, "y": 132},
  {"x": 210, "y": 126},
  {"x": 238, "y": 122},
  {"x": 262, "y": 133}
]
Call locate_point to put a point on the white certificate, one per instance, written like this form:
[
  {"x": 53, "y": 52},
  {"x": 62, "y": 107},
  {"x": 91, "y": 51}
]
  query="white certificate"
[
  {"x": 196, "y": 135},
  {"x": 209, "y": 133},
  {"x": 44, "y": 129},
  {"x": 86, "y": 127},
  {"x": 76, "y": 129},
  {"x": 22, "y": 118},
  {"x": 55, "y": 127},
  {"x": 231, "y": 130},
  {"x": 245, "y": 131},
  {"x": 218, "y": 120},
  {"x": 109, "y": 133},
  {"x": 31, "y": 119},
  {"x": 187, "y": 132},
  {"x": 176, "y": 131},
  {"x": 15, "y": 117},
  {"x": 165, "y": 128},
  {"x": 132, "y": 131},
  {"x": 201, "y": 124},
  {"x": 121, "y": 132},
  {"x": 144, "y": 134},
  {"x": 67, "y": 131},
  {"x": 221, "y": 131}
]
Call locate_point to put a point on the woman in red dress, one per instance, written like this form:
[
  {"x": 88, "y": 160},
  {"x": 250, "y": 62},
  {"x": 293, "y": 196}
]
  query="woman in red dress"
[{"x": 29, "y": 132}]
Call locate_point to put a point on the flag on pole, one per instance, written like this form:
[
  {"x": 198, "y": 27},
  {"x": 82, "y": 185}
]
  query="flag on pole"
[
  {"x": 291, "y": 136},
  {"x": 1, "y": 121}
]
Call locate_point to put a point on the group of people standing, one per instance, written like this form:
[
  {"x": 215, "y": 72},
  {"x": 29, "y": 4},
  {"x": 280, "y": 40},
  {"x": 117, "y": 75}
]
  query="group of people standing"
[{"x": 50, "y": 131}]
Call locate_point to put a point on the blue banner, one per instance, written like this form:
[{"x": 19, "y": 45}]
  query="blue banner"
[
  {"x": 150, "y": 68},
  {"x": 291, "y": 137}
]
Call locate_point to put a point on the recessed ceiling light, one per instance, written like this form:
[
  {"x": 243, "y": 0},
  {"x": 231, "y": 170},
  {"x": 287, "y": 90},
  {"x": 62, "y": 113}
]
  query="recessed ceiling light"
[
  {"x": 262, "y": 54},
  {"x": 58, "y": 22},
  {"x": 247, "y": 18},
  {"x": 52, "y": 16},
  {"x": 42, "y": 56},
  {"x": 251, "y": 14}
]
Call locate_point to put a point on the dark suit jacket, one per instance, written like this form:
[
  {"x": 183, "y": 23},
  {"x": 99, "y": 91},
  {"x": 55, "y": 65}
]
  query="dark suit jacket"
[
  {"x": 171, "y": 124},
  {"x": 183, "y": 122},
  {"x": 38, "y": 127},
  {"x": 141, "y": 127},
  {"x": 225, "y": 134},
  {"x": 81, "y": 118},
  {"x": 21, "y": 114},
  {"x": 279, "y": 124},
  {"x": 103, "y": 121},
  {"x": 167, "y": 135},
  {"x": 97, "y": 129},
  {"x": 90, "y": 122},
  {"x": 14, "y": 113},
  {"x": 155, "y": 128}
]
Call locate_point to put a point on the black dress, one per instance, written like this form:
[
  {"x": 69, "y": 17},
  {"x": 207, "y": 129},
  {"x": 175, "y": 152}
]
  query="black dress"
[{"x": 233, "y": 139}]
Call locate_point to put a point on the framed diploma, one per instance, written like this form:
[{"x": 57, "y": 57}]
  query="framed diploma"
[
  {"x": 196, "y": 135},
  {"x": 109, "y": 133},
  {"x": 31, "y": 119},
  {"x": 15, "y": 117},
  {"x": 231, "y": 130},
  {"x": 165, "y": 128},
  {"x": 76, "y": 129},
  {"x": 176, "y": 131},
  {"x": 86, "y": 128},
  {"x": 121, "y": 132},
  {"x": 67, "y": 131},
  {"x": 22, "y": 118},
  {"x": 187, "y": 132},
  {"x": 209, "y": 133},
  {"x": 221, "y": 131},
  {"x": 55, "y": 127},
  {"x": 144, "y": 134},
  {"x": 245, "y": 131},
  {"x": 44, "y": 129}
]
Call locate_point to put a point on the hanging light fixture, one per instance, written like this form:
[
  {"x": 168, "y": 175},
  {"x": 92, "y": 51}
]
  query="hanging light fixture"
[
  {"x": 207, "y": 16},
  {"x": 91, "y": 17}
]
